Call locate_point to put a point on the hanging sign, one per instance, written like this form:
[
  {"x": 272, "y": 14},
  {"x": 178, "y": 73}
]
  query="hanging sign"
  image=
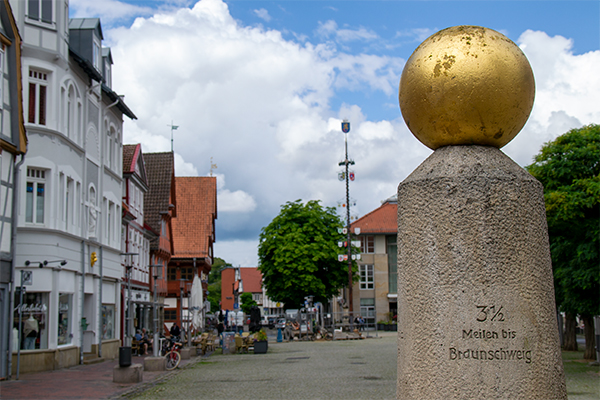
[
  {"x": 345, "y": 126},
  {"x": 340, "y": 230},
  {"x": 340, "y": 244},
  {"x": 344, "y": 230},
  {"x": 340, "y": 257},
  {"x": 351, "y": 176},
  {"x": 357, "y": 231},
  {"x": 341, "y": 176}
]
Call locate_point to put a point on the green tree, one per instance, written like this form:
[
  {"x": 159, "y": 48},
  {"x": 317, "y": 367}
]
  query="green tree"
[
  {"x": 298, "y": 254},
  {"x": 214, "y": 284},
  {"x": 247, "y": 302},
  {"x": 569, "y": 169}
]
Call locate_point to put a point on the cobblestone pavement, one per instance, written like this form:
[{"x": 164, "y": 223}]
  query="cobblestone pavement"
[{"x": 345, "y": 369}]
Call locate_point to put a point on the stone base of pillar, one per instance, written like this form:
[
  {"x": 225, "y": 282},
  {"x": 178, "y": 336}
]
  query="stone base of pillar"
[
  {"x": 155, "y": 364},
  {"x": 131, "y": 374}
]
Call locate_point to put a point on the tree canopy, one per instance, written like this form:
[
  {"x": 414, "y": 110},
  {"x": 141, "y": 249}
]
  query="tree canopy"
[
  {"x": 246, "y": 302},
  {"x": 214, "y": 284},
  {"x": 298, "y": 254},
  {"x": 569, "y": 169}
]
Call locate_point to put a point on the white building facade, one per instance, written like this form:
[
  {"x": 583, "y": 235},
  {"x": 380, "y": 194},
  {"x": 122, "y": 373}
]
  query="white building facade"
[{"x": 71, "y": 197}]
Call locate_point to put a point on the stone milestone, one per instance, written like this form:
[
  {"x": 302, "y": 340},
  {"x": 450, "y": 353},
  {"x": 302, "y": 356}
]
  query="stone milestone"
[{"x": 476, "y": 308}]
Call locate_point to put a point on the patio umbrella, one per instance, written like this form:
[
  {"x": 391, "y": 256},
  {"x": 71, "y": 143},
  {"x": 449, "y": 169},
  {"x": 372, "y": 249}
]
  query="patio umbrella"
[{"x": 196, "y": 303}]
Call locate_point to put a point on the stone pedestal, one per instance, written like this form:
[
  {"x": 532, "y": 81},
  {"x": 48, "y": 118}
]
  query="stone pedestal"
[
  {"x": 131, "y": 374},
  {"x": 185, "y": 353},
  {"x": 155, "y": 364},
  {"x": 476, "y": 310}
]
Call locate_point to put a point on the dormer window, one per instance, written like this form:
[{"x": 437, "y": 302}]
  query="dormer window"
[
  {"x": 40, "y": 10},
  {"x": 96, "y": 55}
]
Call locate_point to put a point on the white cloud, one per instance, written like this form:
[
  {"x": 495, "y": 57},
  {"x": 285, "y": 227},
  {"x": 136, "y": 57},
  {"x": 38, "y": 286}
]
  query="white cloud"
[
  {"x": 330, "y": 29},
  {"x": 242, "y": 253},
  {"x": 567, "y": 92},
  {"x": 263, "y": 14},
  {"x": 260, "y": 105},
  {"x": 238, "y": 201}
]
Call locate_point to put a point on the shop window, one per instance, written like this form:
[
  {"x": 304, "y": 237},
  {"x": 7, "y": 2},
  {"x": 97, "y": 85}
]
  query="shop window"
[
  {"x": 108, "y": 321},
  {"x": 367, "y": 280},
  {"x": 34, "y": 320},
  {"x": 64, "y": 319}
]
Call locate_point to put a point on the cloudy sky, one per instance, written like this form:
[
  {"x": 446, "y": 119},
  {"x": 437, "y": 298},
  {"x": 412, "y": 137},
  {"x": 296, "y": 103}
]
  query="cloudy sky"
[{"x": 261, "y": 87}]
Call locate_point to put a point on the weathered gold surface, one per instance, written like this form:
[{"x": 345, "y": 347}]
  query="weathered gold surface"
[{"x": 466, "y": 85}]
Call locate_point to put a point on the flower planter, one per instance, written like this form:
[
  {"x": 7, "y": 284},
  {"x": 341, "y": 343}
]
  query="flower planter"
[{"x": 261, "y": 346}]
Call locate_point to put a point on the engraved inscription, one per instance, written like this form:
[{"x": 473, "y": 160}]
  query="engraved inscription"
[{"x": 482, "y": 334}]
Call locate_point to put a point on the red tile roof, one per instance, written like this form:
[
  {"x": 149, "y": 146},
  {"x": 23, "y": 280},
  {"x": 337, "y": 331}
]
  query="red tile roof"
[
  {"x": 129, "y": 150},
  {"x": 382, "y": 220},
  {"x": 160, "y": 172},
  {"x": 194, "y": 227},
  {"x": 252, "y": 280}
]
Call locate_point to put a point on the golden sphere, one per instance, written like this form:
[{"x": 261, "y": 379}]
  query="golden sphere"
[{"x": 466, "y": 85}]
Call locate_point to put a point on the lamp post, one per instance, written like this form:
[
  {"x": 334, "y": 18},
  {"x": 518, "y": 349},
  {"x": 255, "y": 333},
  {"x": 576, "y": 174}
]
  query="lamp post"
[
  {"x": 156, "y": 274},
  {"x": 125, "y": 351},
  {"x": 181, "y": 288}
]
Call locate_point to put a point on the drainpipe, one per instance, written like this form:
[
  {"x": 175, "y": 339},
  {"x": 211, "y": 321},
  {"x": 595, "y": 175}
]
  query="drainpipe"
[
  {"x": 81, "y": 301},
  {"x": 13, "y": 250},
  {"x": 100, "y": 330}
]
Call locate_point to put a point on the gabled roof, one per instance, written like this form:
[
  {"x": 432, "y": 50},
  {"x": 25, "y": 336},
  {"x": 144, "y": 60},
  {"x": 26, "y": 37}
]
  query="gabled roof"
[
  {"x": 382, "y": 220},
  {"x": 87, "y": 24},
  {"x": 252, "y": 279},
  {"x": 194, "y": 228},
  {"x": 160, "y": 172},
  {"x": 133, "y": 163}
]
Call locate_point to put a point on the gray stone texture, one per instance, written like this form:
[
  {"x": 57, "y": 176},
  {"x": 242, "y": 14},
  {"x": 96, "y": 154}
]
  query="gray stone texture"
[
  {"x": 476, "y": 310},
  {"x": 131, "y": 374},
  {"x": 155, "y": 364}
]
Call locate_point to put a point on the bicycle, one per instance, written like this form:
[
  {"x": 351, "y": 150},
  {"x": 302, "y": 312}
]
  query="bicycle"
[{"x": 171, "y": 353}]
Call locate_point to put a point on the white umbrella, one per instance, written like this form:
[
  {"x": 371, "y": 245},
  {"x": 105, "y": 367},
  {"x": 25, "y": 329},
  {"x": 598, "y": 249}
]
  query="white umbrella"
[{"x": 197, "y": 303}]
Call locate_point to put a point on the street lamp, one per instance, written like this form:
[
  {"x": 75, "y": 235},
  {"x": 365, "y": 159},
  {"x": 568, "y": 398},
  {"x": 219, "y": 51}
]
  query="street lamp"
[
  {"x": 157, "y": 269},
  {"x": 125, "y": 351},
  {"x": 181, "y": 288}
]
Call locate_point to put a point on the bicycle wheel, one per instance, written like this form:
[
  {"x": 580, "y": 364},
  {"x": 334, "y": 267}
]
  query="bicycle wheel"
[{"x": 173, "y": 358}]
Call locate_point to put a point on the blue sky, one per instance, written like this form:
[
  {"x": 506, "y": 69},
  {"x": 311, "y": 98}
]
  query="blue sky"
[{"x": 261, "y": 86}]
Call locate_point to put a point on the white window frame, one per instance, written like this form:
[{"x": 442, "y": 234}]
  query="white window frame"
[
  {"x": 40, "y": 17},
  {"x": 37, "y": 80},
  {"x": 367, "y": 276},
  {"x": 35, "y": 178}
]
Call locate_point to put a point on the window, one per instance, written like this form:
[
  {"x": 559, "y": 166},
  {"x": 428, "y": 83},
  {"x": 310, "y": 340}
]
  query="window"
[
  {"x": 34, "y": 315},
  {"x": 68, "y": 203},
  {"x": 172, "y": 276},
  {"x": 38, "y": 82},
  {"x": 108, "y": 321},
  {"x": 40, "y": 10},
  {"x": 257, "y": 297},
  {"x": 367, "y": 311},
  {"x": 64, "y": 319},
  {"x": 1, "y": 80},
  {"x": 367, "y": 244},
  {"x": 367, "y": 281},
  {"x": 109, "y": 223},
  {"x": 392, "y": 250},
  {"x": 96, "y": 55},
  {"x": 35, "y": 196},
  {"x": 187, "y": 273},
  {"x": 171, "y": 314}
]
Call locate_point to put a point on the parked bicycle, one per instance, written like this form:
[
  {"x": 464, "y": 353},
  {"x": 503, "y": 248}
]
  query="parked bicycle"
[{"x": 171, "y": 352}]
